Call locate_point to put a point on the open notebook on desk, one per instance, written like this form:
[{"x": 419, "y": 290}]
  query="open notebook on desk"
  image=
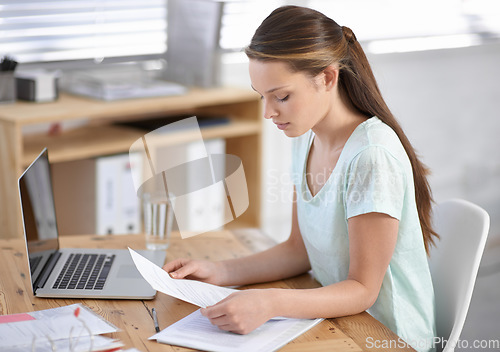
[{"x": 196, "y": 331}]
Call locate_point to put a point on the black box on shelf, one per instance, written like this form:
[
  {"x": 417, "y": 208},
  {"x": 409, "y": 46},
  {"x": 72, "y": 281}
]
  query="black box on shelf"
[{"x": 37, "y": 86}]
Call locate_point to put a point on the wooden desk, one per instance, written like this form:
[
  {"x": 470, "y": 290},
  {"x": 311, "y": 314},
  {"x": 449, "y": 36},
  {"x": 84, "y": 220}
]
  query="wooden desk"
[{"x": 134, "y": 317}]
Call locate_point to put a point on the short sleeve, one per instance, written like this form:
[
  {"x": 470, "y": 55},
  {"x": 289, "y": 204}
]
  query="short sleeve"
[{"x": 375, "y": 182}]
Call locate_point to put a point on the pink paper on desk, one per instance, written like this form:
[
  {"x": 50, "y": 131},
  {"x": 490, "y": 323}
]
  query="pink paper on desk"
[{"x": 12, "y": 318}]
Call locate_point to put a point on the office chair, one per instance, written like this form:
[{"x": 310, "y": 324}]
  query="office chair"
[{"x": 454, "y": 263}]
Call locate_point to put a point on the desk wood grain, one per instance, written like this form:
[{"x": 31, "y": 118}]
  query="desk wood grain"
[{"x": 134, "y": 317}]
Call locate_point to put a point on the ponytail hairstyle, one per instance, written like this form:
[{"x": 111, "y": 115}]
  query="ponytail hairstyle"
[{"x": 309, "y": 42}]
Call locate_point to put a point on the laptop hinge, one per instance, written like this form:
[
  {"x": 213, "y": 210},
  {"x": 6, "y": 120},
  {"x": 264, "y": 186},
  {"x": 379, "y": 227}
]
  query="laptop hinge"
[{"x": 46, "y": 271}]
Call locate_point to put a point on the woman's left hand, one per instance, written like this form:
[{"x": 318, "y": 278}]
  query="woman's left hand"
[{"x": 241, "y": 312}]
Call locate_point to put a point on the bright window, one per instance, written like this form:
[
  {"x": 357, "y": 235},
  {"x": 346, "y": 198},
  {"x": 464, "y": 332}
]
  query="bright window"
[
  {"x": 50, "y": 30},
  {"x": 109, "y": 30}
]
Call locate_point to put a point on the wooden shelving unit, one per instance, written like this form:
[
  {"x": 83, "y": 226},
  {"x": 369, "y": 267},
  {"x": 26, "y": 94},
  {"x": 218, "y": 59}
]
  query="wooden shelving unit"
[{"x": 101, "y": 136}]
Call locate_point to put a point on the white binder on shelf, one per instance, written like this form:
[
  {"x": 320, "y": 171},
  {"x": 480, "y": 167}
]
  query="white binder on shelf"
[
  {"x": 106, "y": 189},
  {"x": 205, "y": 209},
  {"x": 117, "y": 205}
]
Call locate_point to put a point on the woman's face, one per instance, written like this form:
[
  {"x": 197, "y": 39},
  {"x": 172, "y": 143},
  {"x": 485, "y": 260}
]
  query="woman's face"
[{"x": 294, "y": 101}]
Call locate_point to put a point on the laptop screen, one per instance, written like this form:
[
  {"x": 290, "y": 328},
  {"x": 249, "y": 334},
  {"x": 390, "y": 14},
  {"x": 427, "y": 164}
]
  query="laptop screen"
[{"x": 39, "y": 215}]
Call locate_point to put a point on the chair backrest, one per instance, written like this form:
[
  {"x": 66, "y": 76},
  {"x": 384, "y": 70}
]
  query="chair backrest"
[{"x": 454, "y": 264}]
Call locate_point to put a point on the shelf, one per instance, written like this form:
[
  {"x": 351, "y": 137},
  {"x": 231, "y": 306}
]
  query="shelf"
[
  {"x": 96, "y": 140},
  {"x": 109, "y": 130},
  {"x": 70, "y": 107}
]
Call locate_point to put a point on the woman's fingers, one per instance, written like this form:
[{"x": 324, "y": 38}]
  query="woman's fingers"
[
  {"x": 201, "y": 270},
  {"x": 184, "y": 271},
  {"x": 243, "y": 311},
  {"x": 220, "y": 319},
  {"x": 173, "y": 265},
  {"x": 230, "y": 314},
  {"x": 216, "y": 311},
  {"x": 179, "y": 268}
]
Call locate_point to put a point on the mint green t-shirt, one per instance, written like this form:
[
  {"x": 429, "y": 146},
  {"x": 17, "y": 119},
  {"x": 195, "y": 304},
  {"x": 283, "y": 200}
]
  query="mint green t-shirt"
[{"x": 373, "y": 174}]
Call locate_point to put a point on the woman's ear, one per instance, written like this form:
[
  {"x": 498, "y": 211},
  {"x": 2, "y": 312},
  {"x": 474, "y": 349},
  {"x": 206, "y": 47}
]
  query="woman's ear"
[{"x": 330, "y": 77}]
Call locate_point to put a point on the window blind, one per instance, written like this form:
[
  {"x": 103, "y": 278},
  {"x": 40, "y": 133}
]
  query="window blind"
[
  {"x": 37, "y": 31},
  {"x": 240, "y": 19},
  {"x": 48, "y": 30}
]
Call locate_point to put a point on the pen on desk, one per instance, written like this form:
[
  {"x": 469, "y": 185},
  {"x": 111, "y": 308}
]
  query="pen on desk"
[{"x": 155, "y": 320}]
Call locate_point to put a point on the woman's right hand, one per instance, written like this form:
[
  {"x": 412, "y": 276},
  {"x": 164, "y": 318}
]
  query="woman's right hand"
[{"x": 201, "y": 270}]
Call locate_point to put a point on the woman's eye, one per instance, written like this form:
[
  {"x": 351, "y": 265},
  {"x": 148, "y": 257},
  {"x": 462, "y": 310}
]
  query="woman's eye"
[{"x": 283, "y": 99}]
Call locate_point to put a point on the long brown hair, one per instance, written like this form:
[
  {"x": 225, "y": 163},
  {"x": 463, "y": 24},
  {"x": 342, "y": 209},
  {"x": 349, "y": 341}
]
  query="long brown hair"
[{"x": 309, "y": 42}]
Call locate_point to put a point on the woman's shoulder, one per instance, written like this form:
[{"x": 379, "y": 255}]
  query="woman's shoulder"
[{"x": 374, "y": 134}]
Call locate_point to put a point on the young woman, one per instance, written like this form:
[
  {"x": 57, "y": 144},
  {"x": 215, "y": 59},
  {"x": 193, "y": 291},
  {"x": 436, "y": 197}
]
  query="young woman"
[{"x": 361, "y": 211}]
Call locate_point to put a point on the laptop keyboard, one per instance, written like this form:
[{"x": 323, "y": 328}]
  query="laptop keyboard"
[{"x": 84, "y": 271}]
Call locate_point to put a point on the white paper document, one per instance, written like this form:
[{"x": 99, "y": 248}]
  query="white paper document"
[
  {"x": 75, "y": 344},
  {"x": 195, "y": 292},
  {"x": 196, "y": 331},
  {"x": 55, "y": 324}
]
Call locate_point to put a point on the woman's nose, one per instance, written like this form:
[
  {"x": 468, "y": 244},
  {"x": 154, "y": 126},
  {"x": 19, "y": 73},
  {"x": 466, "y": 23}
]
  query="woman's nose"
[{"x": 269, "y": 111}]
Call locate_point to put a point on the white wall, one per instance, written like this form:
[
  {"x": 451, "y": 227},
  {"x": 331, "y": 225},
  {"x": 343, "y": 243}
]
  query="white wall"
[{"x": 448, "y": 102}]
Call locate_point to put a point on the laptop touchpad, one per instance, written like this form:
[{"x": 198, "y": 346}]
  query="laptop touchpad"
[{"x": 128, "y": 271}]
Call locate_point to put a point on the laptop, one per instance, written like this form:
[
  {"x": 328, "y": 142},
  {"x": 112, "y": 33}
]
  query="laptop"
[{"x": 72, "y": 272}]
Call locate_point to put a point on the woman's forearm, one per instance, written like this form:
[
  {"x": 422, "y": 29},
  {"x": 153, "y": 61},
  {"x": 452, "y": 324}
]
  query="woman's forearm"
[
  {"x": 284, "y": 260},
  {"x": 343, "y": 298}
]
